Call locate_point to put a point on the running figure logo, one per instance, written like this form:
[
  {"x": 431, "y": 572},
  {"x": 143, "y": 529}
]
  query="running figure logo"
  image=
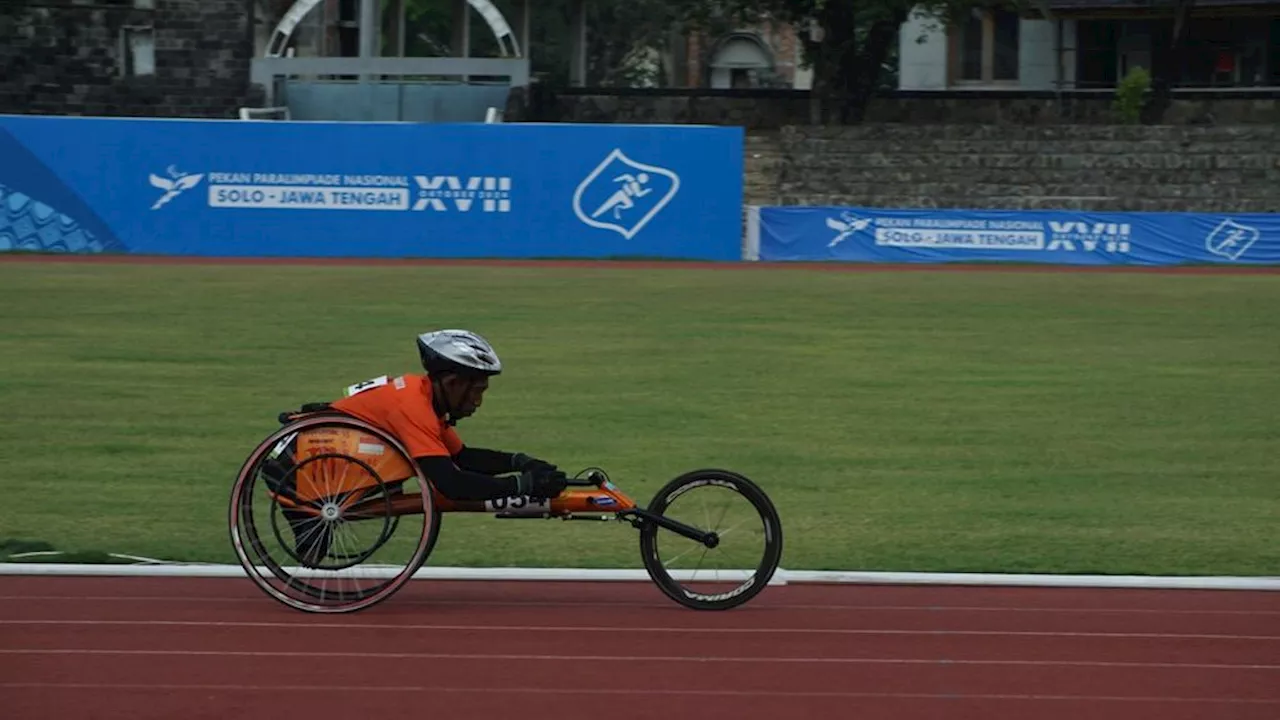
[
  {"x": 1231, "y": 239},
  {"x": 623, "y": 195},
  {"x": 632, "y": 186}
]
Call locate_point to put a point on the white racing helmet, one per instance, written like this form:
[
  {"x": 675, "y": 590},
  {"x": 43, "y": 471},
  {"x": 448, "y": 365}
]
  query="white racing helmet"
[{"x": 458, "y": 351}]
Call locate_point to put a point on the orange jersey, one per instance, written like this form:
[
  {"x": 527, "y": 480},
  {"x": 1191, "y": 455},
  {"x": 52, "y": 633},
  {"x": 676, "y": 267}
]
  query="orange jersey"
[{"x": 402, "y": 407}]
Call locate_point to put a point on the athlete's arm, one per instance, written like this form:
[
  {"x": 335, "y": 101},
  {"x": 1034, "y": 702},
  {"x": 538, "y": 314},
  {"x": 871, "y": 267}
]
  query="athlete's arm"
[
  {"x": 484, "y": 460},
  {"x": 493, "y": 462},
  {"x": 457, "y": 483}
]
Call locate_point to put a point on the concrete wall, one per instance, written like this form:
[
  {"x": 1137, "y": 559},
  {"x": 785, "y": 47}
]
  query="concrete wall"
[
  {"x": 1082, "y": 167},
  {"x": 922, "y": 54},
  {"x": 773, "y": 109},
  {"x": 1037, "y": 55},
  {"x": 169, "y": 58}
]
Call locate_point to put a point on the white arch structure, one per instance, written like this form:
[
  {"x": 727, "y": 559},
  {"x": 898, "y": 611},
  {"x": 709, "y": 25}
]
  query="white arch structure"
[
  {"x": 507, "y": 45},
  {"x": 738, "y": 51}
]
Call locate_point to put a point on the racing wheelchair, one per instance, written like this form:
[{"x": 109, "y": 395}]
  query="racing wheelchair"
[{"x": 353, "y": 518}]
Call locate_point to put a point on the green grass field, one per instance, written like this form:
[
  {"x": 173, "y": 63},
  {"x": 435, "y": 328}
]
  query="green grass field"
[{"x": 901, "y": 421}]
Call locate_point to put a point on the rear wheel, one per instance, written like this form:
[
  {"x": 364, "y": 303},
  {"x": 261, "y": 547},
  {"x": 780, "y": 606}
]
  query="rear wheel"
[
  {"x": 745, "y": 557},
  {"x": 350, "y": 515}
]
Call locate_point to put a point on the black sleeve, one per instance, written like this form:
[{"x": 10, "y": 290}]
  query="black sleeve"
[
  {"x": 457, "y": 484},
  {"x": 483, "y": 460}
]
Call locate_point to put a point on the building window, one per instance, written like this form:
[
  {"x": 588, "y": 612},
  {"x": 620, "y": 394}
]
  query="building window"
[
  {"x": 137, "y": 50},
  {"x": 985, "y": 46}
]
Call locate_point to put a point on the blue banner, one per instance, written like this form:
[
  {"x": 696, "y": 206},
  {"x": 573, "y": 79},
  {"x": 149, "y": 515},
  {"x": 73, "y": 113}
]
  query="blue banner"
[
  {"x": 273, "y": 188},
  {"x": 1024, "y": 236}
]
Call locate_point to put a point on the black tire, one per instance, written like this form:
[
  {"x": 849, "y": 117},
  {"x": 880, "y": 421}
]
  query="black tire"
[
  {"x": 298, "y": 593},
  {"x": 763, "y": 571}
]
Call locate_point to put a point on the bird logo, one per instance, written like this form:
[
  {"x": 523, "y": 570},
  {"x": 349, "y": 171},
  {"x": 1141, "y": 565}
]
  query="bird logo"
[
  {"x": 846, "y": 226},
  {"x": 173, "y": 188}
]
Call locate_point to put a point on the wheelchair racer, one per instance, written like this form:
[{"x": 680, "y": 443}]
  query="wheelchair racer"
[{"x": 421, "y": 410}]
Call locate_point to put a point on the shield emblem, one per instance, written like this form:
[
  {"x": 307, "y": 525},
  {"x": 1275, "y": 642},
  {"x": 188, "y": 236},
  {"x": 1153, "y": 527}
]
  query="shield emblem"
[
  {"x": 623, "y": 195},
  {"x": 1231, "y": 239}
]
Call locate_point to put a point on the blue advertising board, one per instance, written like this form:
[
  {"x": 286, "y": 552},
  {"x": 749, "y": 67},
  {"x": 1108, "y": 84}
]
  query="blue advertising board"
[
  {"x": 859, "y": 234},
  {"x": 272, "y": 188}
]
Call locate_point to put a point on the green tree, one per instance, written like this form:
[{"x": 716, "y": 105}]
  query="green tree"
[
  {"x": 428, "y": 29},
  {"x": 1169, "y": 57},
  {"x": 620, "y": 34},
  {"x": 629, "y": 42},
  {"x": 847, "y": 42}
]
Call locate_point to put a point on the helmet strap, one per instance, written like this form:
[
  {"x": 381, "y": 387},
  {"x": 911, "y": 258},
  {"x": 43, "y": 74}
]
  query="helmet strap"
[
  {"x": 441, "y": 402},
  {"x": 471, "y": 382}
]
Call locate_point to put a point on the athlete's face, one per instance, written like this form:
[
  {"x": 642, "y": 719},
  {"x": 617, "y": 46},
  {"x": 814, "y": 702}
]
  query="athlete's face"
[{"x": 464, "y": 394}]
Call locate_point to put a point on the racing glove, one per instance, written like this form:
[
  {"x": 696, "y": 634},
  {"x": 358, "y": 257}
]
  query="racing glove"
[
  {"x": 541, "y": 483},
  {"x": 521, "y": 462}
]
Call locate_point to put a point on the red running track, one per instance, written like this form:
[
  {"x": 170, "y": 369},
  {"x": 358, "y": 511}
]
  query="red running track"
[{"x": 116, "y": 648}]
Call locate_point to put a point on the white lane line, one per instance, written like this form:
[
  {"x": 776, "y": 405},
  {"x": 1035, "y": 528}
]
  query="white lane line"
[
  {"x": 578, "y": 603},
  {"x": 629, "y": 629},
  {"x": 623, "y": 658},
  {"x": 646, "y": 692}
]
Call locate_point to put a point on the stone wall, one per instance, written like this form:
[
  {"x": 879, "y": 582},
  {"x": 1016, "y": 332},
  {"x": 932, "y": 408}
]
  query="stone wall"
[
  {"x": 1080, "y": 167},
  {"x": 773, "y": 109},
  {"x": 65, "y": 57}
]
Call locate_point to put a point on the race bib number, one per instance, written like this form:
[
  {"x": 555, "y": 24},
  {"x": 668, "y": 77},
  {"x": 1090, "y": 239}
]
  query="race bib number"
[
  {"x": 519, "y": 505},
  {"x": 367, "y": 385}
]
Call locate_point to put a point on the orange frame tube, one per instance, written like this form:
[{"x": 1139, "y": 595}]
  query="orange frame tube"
[
  {"x": 312, "y": 481},
  {"x": 573, "y": 501}
]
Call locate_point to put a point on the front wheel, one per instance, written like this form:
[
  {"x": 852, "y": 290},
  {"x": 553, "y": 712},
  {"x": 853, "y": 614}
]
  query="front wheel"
[{"x": 743, "y": 560}]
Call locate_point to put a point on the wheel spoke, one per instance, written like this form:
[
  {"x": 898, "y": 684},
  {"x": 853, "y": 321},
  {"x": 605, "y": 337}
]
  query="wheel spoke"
[
  {"x": 733, "y": 582},
  {"x": 316, "y": 562}
]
